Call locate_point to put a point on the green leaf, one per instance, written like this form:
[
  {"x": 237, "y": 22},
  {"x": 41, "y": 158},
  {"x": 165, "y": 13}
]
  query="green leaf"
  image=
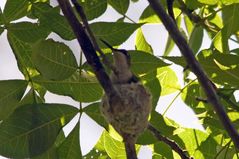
[
  {"x": 195, "y": 40},
  {"x": 15, "y": 9},
  {"x": 70, "y": 148},
  {"x": 142, "y": 62},
  {"x": 1, "y": 30},
  {"x": 228, "y": 2},
  {"x": 162, "y": 124},
  {"x": 219, "y": 65},
  {"x": 51, "y": 153},
  {"x": 83, "y": 88},
  {"x": 93, "y": 9},
  {"x": 231, "y": 26},
  {"x": 209, "y": 2},
  {"x": 168, "y": 80},
  {"x": 51, "y": 18},
  {"x": 193, "y": 139},
  {"x": 179, "y": 60},
  {"x": 170, "y": 43},
  {"x": 23, "y": 53},
  {"x": 28, "y": 32},
  {"x": 32, "y": 129},
  {"x": 93, "y": 111},
  {"x": 120, "y": 6},
  {"x": 152, "y": 83},
  {"x": 163, "y": 149},
  {"x": 146, "y": 138},
  {"x": 112, "y": 32},
  {"x": 189, "y": 25},
  {"x": 149, "y": 16},
  {"x": 11, "y": 92},
  {"x": 54, "y": 60},
  {"x": 141, "y": 44}
]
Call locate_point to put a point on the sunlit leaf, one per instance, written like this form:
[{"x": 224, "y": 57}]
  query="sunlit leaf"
[
  {"x": 70, "y": 148},
  {"x": 93, "y": 111},
  {"x": 193, "y": 139},
  {"x": 168, "y": 80},
  {"x": 84, "y": 88},
  {"x": 209, "y": 2},
  {"x": 11, "y": 92},
  {"x": 141, "y": 44},
  {"x": 120, "y": 6},
  {"x": 15, "y": 9},
  {"x": 32, "y": 129},
  {"x": 54, "y": 60},
  {"x": 114, "y": 33},
  {"x": 93, "y": 9},
  {"x": 219, "y": 65},
  {"x": 228, "y": 2},
  {"x": 149, "y": 16},
  {"x": 231, "y": 25}
]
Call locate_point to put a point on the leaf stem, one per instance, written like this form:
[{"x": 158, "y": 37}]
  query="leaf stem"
[{"x": 171, "y": 103}]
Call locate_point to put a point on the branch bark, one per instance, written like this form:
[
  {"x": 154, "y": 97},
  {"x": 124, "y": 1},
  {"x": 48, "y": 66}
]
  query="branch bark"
[
  {"x": 88, "y": 49},
  {"x": 174, "y": 146},
  {"x": 196, "y": 69}
]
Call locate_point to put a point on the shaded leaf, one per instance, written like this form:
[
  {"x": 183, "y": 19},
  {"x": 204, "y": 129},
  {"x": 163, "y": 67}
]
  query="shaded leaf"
[
  {"x": 112, "y": 32},
  {"x": 54, "y": 60},
  {"x": 195, "y": 40},
  {"x": 23, "y": 53},
  {"x": 141, "y": 44},
  {"x": 179, "y": 60},
  {"x": 84, "y": 88},
  {"x": 15, "y": 9},
  {"x": 93, "y": 9},
  {"x": 146, "y": 138},
  {"x": 93, "y": 111},
  {"x": 70, "y": 148},
  {"x": 120, "y": 6},
  {"x": 163, "y": 149},
  {"x": 32, "y": 129},
  {"x": 11, "y": 92},
  {"x": 143, "y": 62},
  {"x": 1, "y": 30},
  {"x": 27, "y": 32},
  {"x": 51, "y": 18}
]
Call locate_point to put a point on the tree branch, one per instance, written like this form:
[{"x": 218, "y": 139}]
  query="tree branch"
[
  {"x": 196, "y": 69},
  {"x": 82, "y": 15},
  {"x": 88, "y": 49},
  {"x": 174, "y": 146}
]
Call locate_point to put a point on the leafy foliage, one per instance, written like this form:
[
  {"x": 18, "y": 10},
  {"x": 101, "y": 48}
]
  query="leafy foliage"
[{"x": 32, "y": 128}]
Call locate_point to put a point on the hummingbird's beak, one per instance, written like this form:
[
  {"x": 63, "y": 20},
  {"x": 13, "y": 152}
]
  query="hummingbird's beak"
[{"x": 108, "y": 45}]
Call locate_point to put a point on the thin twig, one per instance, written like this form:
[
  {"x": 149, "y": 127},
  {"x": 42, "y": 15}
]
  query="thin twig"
[
  {"x": 129, "y": 143},
  {"x": 174, "y": 146},
  {"x": 88, "y": 49},
  {"x": 83, "y": 17},
  {"x": 197, "y": 69}
]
